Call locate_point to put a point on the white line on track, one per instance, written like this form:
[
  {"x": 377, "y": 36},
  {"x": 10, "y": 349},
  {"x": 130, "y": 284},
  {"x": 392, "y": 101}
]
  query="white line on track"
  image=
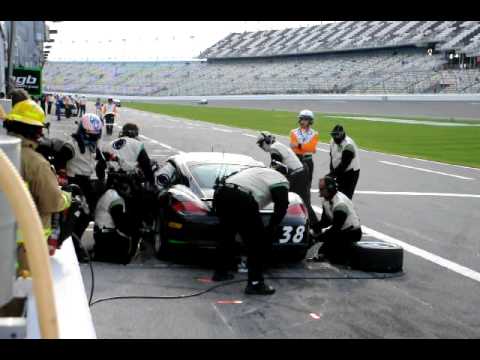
[
  {"x": 249, "y": 135},
  {"x": 410, "y": 122},
  {"x": 223, "y": 130},
  {"x": 323, "y": 150},
  {"x": 450, "y": 265},
  {"x": 411, "y": 193},
  {"x": 425, "y": 170},
  {"x": 161, "y": 144}
]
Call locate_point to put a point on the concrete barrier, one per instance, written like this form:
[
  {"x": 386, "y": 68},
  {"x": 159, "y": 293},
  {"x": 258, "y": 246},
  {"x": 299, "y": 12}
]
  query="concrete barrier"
[{"x": 324, "y": 97}]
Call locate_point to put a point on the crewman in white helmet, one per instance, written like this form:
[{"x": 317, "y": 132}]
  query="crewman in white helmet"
[{"x": 303, "y": 141}]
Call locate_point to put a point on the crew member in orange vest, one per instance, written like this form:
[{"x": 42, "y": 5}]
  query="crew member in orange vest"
[{"x": 303, "y": 141}]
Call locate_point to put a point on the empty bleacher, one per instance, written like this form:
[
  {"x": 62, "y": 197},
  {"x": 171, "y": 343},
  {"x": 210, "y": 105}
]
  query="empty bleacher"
[{"x": 353, "y": 57}]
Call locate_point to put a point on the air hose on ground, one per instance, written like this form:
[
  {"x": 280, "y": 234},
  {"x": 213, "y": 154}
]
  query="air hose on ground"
[
  {"x": 223, "y": 284},
  {"x": 30, "y": 225}
]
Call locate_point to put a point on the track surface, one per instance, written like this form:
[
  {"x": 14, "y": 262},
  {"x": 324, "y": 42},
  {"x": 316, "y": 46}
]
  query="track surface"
[
  {"x": 437, "y": 298},
  {"x": 469, "y": 110}
]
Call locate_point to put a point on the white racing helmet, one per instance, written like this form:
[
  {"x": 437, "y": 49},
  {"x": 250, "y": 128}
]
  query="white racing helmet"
[{"x": 307, "y": 115}]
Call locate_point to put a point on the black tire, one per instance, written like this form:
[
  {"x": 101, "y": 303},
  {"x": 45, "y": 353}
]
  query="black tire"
[
  {"x": 377, "y": 256},
  {"x": 159, "y": 240}
]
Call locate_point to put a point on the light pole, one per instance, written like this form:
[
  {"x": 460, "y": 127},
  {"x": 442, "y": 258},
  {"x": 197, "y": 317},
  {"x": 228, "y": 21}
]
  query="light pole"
[{"x": 11, "y": 46}]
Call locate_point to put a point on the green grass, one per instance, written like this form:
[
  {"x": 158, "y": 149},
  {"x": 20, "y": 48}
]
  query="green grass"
[{"x": 454, "y": 145}]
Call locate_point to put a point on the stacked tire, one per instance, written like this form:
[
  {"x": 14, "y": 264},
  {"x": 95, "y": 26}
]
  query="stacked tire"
[{"x": 377, "y": 256}]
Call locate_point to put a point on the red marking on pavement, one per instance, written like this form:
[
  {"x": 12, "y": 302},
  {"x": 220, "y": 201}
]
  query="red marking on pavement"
[
  {"x": 205, "y": 280},
  {"x": 229, "y": 301},
  {"x": 315, "y": 316}
]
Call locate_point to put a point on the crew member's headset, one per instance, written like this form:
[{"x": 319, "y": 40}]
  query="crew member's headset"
[
  {"x": 331, "y": 184},
  {"x": 338, "y": 132},
  {"x": 265, "y": 137},
  {"x": 129, "y": 130}
]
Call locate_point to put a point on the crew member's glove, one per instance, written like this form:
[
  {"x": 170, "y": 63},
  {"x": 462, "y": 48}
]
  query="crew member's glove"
[
  {"x": 299, "y": 146},
  {"x": 62, "y": 177}
]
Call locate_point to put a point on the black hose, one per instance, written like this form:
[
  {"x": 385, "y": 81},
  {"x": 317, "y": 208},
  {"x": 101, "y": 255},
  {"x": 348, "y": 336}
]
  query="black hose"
[
  {"x": 227, "y": 283},
  {"x": 92, "y": 285},
  {"x": 198, "y": 293}
]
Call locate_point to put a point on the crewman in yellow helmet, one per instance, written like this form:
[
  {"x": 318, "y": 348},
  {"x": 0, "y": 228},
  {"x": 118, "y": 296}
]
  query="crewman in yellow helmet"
[{"x": 26, "y": 121}]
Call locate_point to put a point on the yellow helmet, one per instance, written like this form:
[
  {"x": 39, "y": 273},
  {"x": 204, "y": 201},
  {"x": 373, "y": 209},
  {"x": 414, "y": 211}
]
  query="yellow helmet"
[{"x": 27, "y": 112}]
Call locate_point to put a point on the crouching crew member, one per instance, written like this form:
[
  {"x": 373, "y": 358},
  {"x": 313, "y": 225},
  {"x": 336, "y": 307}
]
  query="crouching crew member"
[
  {"x": 113, "y": 242},
  {"x": 345, "y": 230},
  {"x": 295, "y": 172},
  {"x": 344, "y": 161},
  {"x": 249, "y": 191}
]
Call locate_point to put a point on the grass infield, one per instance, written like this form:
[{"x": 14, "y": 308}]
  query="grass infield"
[{"x": 453, "y": 145}]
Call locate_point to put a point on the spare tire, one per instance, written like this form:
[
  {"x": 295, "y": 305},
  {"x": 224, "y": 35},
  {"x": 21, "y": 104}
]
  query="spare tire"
[{"x": 377, "y": 256}]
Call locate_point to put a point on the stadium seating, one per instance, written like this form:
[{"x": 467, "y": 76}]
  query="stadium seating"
[{"x": 386, "y": 59}]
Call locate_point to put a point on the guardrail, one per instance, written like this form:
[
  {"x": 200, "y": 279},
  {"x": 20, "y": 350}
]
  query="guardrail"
[{"x": 344, "y": 97}]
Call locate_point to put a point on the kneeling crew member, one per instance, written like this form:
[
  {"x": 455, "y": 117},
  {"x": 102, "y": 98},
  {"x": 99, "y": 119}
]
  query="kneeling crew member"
[
  {"x": 129, "y": 152},
  {"x": 345, "y": 230},
  {"x": 296, "y": 174},
  {"x": 113, "y": 242},
  {"x": 344, "y": 161},
  {"x": 237, "y": 202}
]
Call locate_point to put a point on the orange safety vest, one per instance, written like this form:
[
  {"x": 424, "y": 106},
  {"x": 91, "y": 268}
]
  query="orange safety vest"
[
  {"x": 109, "y": 109},
  {"x": 308, "y": 139}
]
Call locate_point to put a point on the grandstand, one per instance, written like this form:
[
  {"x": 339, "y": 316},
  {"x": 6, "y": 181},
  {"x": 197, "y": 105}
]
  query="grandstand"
[{"x": 340, "y": 57}]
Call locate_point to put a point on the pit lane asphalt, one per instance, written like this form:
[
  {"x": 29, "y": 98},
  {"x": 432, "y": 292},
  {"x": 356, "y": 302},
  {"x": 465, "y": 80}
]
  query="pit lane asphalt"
[{"x": 430, "y": 301}]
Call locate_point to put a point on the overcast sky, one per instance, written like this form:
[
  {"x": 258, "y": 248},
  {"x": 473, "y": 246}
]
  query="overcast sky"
[{"x": 147, "y": 40}]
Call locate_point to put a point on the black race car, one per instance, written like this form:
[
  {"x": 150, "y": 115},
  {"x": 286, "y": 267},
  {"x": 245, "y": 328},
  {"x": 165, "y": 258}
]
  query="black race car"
[{"x": 188, "y": 220}]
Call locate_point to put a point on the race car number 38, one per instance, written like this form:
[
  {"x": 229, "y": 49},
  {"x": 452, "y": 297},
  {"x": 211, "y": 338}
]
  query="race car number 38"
[{"x": 290, "y": 233}]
